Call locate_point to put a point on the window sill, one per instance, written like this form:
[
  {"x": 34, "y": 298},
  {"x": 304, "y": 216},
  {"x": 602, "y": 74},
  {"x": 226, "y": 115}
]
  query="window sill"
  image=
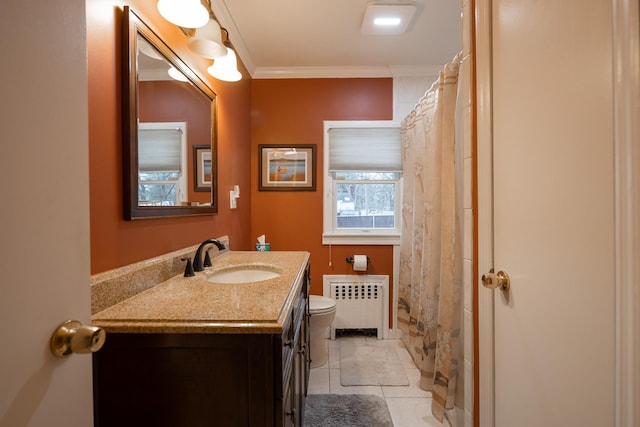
[{"x": 361, "y": 239}]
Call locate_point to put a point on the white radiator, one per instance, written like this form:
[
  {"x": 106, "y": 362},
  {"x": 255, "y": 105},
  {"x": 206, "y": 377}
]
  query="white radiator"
[{"x": 361, "y": 302}]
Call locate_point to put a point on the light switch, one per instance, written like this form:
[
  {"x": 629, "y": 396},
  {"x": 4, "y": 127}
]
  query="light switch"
[
  {"x": 234, "y": 195},
  {"x": 232, "y": 199}
]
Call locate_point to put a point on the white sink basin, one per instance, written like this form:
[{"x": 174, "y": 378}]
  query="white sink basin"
[{"x": 245, "y": 275}]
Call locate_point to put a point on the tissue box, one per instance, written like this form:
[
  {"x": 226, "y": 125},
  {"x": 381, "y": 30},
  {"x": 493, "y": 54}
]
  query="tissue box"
[{"x": 263, "y": 247}]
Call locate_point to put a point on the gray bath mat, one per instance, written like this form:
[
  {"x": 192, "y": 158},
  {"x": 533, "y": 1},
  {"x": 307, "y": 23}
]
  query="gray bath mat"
[
  {"x": 370, "y": 363},
  {"x": 346, "y": 410}
]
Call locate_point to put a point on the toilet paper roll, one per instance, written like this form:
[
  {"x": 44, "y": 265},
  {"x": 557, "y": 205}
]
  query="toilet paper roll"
[{"x": 359, "y": 263}]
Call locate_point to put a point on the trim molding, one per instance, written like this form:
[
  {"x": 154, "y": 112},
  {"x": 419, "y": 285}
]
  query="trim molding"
[
  {"x": 352, "y": 239},
  {"x": 395, "y": 332},
  {"x": 484, "y": 120},
  {"x": 343, "y": 72},
  {"x": 626, "y": 61},
  {"x": 225, "y": 20}
]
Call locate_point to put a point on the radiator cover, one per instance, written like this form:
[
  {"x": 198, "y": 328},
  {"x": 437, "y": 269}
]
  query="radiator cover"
[{"x": 361, "y": 302}]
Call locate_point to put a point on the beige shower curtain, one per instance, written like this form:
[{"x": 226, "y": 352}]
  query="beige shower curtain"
[{"x": 430, "y": 282}]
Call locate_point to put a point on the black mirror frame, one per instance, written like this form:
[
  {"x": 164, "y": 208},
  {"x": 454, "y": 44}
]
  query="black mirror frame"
[{"x": 132, "y": 25}]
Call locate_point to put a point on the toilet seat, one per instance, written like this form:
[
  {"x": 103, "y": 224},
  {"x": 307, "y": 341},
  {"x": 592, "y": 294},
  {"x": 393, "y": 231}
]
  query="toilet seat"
[{"x": 321, "y": 305}]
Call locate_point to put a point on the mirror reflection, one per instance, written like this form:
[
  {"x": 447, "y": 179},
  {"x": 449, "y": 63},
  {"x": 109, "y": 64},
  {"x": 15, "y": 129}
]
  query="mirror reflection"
[{"x": 171, "y": 135}]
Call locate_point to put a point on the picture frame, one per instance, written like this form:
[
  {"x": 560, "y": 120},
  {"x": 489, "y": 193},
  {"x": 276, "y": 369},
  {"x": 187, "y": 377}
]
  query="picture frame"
[
  {"x": 202, "y": 167},
  {"x": 286, "y": 167}
]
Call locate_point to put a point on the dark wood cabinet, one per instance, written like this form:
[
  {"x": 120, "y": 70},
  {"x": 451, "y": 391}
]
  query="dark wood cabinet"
[
  {"x": 193, "y": 380},
  {"x": 296, "y": 362}
]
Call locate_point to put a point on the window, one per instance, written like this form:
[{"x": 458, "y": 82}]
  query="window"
[
  {"x": 362, "y": 182},
  {"x": 162, "y": 164}
]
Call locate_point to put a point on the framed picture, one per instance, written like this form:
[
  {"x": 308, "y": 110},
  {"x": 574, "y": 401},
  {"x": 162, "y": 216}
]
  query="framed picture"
[
  {"x": 287, "y": 167},
  {"x": 202, "y": 168}
]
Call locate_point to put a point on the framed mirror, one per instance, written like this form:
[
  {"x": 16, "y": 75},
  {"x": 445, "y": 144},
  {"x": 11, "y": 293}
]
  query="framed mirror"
[{"x": 169, "y": 130}]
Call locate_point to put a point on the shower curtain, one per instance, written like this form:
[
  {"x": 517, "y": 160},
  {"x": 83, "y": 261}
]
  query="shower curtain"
[{"x": 430, "y": 276}]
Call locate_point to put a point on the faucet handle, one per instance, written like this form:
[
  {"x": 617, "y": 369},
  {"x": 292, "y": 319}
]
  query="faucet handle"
[
  {"x": 207, "y": 259},
  {"x": 188, "y": 270}
]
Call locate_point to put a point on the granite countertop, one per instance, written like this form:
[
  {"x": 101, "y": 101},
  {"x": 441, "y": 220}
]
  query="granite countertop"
[{"x": 195, "y": 305}]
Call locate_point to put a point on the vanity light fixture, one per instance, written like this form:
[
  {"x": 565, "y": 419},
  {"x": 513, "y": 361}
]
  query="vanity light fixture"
[
  {"x": 184, "y": 13},
  {"x": 207, "y": 42},
  {"x": 387, "y": 18},
  {"x": 226, "y": 68}
]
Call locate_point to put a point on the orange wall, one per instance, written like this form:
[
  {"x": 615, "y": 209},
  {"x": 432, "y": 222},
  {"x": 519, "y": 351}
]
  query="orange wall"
[
  {"x": 114, "y": 241},
  {"x": 290, "y": 112},
  {"x": 287, "y": 111}
]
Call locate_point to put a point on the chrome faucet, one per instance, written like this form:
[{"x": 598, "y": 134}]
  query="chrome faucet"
[{"x": 198, "y": 264}]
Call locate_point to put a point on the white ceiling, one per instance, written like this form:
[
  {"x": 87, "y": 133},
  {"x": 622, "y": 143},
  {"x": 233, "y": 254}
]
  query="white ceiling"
[{"x": 321, "y": 38}]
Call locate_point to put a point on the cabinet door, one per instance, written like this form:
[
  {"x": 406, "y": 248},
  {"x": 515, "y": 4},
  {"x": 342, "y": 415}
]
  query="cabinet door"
[
  {"x": 295, "y": 361},
  {"x": 184, "y": 380},
  {"x": 285, "y": 369},
  {"x": 302, "y": 360},
  {"x": 290, "y": 418},
  {"x": 300, "y": 372},
  {"x": 306, "y": 335}
]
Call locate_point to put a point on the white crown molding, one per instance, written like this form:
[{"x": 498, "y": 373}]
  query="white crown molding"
[
  {"x": 319, "y": 72},
  {"x": 344, "y": 72},
  {"x": 225, "y": 20},
  {"x": 416, "y": 70}
]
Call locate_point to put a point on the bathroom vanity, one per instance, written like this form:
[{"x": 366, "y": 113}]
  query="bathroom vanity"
[{"x": 189, "y": 352}]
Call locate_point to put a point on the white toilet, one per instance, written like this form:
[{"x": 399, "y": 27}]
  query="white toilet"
[{"x": 322, "y": 310}]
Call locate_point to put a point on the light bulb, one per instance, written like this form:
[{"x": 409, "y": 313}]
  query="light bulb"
[
  {"x": 207, "y": 41},
  {"x": 226, "y": 68},
  {"x": 184, "y": 13},
  {"x": 177, "y": 75}
]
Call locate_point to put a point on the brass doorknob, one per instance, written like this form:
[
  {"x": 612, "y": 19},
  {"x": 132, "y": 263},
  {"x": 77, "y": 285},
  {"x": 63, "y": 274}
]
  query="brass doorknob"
[
  {"x": 73, "y": 337},
  {"x": 496, "y": 280}
]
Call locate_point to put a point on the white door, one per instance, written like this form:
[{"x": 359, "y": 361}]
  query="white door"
[
  {"x": 553, "y": 210},
  {"x": 44, "y": 218}
]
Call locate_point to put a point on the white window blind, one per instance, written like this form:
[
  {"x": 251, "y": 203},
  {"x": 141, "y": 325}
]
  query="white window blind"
[
  {"x": 365, "y": 149},
  {"x": 159, "y": 150}
]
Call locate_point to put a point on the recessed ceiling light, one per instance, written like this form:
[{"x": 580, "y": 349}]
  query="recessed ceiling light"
[
  {"x": 387, "y": 18},
  {"x": 392, "y": 21}
]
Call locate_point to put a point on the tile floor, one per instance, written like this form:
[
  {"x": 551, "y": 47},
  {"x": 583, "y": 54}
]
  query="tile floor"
[{"x": 409, "y": 406}]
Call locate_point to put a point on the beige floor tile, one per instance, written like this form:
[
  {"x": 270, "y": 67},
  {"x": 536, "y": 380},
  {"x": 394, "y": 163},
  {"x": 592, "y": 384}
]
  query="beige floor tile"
[
  {"x": 413, "y": 390},
  {"x": 386, "y": 343},
  {"x": 406, "y": 359},
  {"x": 319, "y": 381},
  {"x": 411, "y": 412},
  {"x": 353, "y": 338},
  {"x": 334, "y": 357}
]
